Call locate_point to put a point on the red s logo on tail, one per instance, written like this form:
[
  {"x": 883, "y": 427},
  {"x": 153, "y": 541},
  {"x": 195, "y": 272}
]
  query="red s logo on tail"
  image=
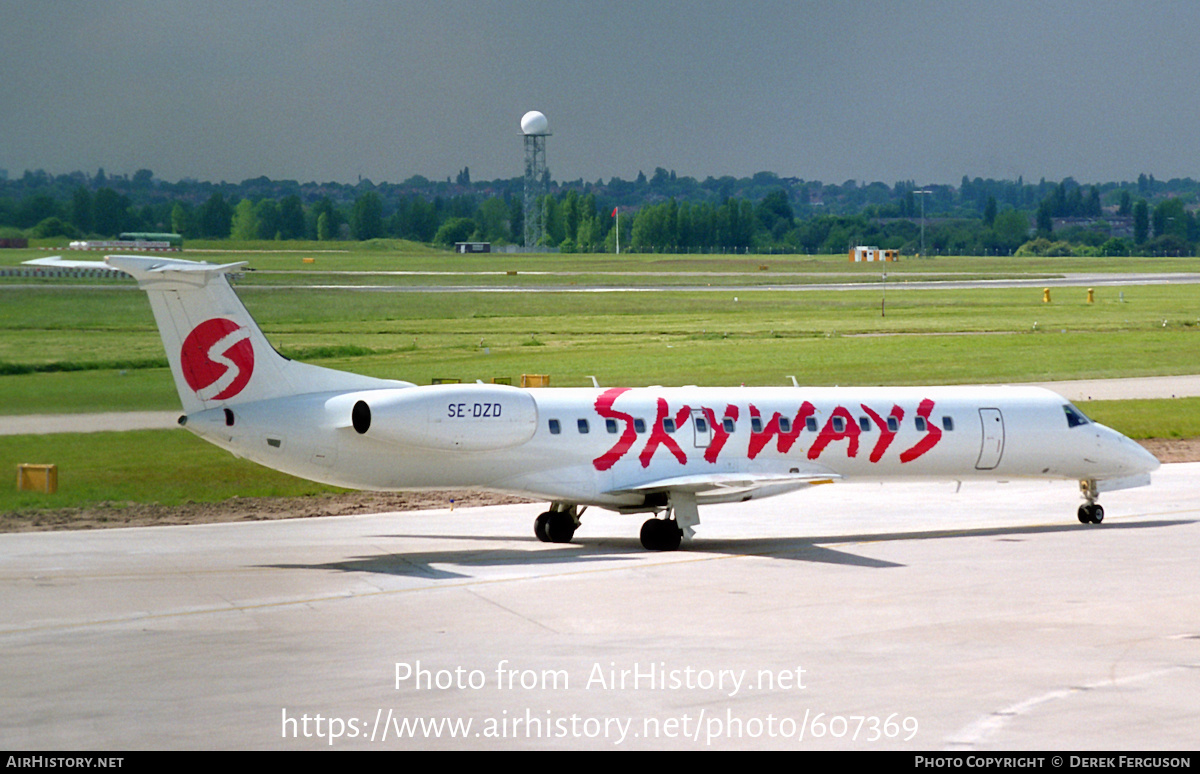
[{"x": 217, "y": 359}]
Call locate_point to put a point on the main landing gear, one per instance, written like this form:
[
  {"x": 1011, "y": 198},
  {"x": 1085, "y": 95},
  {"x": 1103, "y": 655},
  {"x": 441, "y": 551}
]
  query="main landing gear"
[
  {"x": 665, "y": 534},
  {"x": 1090, "y": 512},
  {"x": 661, "y": 534},
  {"x": 558, "y": 524}
]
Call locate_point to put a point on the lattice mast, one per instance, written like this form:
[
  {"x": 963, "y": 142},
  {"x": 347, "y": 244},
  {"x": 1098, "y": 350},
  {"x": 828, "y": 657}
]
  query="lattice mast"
[{"x": 535, "y": 128}]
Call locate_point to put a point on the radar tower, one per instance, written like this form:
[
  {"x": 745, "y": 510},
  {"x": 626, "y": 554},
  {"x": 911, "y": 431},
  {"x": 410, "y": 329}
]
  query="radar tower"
[{"x": 535, "y": 128}]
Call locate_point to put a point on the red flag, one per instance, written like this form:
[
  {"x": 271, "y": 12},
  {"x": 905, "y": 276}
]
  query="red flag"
[{"x": 614, "y": 212}]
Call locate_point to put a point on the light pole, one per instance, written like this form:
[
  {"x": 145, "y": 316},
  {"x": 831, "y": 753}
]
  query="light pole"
[{"x": 922, "y": 194}]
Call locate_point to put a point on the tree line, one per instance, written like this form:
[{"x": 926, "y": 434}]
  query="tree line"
[{"x": 659, "y": 213}]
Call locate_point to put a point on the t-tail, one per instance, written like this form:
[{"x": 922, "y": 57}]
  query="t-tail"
[{"x": 218, "y": 354}]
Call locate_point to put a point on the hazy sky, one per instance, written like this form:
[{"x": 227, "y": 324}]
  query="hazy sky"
[{"x": 923, "y": 90}]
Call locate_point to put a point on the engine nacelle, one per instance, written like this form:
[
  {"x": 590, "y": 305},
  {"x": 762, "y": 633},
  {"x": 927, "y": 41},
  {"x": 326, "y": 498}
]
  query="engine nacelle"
[{"x": 459, "y": 417}]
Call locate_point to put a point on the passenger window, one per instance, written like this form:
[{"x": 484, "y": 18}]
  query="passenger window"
[
  {"x": 864, "y": 424},
  {"x": 611, "y": 425},
  {"x": 839, "y": 425},
  {"x": 728, "y": 425},
  {"x": 893, "y": 425},
  {"x": 785, "y": 425},
  {"x": 811, "y": 424},
  {"x": 582, "y": 424},
  {"x": 948, "y": 424},
  {"x": 639, "y": 426},
  {"x": 701, "y": 425},
  {"x": 555, "y": 428},
  {"x": 669, "y": 425},
  {"x": 921, "y": 427},
  {"x": 755, "y": 424}
]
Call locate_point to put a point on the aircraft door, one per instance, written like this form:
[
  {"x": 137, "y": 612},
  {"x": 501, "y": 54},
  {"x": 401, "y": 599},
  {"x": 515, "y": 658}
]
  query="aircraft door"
[
  {"x": 993, "y": 439},
  {"x": 704, "y": 431}
]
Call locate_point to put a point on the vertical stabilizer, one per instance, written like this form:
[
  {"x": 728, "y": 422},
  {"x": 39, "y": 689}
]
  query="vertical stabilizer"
[{"x": 218, "y": 354}]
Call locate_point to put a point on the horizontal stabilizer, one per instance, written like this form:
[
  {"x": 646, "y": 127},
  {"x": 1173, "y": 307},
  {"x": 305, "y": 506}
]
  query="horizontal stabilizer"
[
  {"x": 58, "y": 262},
  {"x": 148, "y": 269}
]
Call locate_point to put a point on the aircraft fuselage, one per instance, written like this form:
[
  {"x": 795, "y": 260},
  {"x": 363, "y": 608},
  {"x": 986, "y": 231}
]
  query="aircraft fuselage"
[{"x": 601, "y": 446}]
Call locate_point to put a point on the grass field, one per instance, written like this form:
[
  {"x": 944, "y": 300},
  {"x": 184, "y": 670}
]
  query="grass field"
[
  {"x": 128, "y": 467},
  {"x": 399, "y": 255},
  {"x": 91, "y": 350},
  {"x": 81, "y": 346}
]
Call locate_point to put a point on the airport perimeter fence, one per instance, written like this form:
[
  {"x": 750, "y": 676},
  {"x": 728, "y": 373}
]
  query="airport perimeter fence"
[{"x": 44, "y": 272}]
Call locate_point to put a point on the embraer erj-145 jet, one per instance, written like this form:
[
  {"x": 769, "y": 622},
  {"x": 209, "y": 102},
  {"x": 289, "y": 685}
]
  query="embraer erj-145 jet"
[{"x": 658, "y": 450}]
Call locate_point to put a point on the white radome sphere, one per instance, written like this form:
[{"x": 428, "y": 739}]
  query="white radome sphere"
[{"x": 534, "y": 122}]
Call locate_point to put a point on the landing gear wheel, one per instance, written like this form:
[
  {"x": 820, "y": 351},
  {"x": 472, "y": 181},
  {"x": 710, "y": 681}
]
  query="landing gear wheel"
[
  {"x": 661, "y": 535},
  {"x": 541, "y": 527},
  {"x": 555, "y": 527},
  {"x": 1091, "y": 513},
  {"x": 561, "y": 527}
]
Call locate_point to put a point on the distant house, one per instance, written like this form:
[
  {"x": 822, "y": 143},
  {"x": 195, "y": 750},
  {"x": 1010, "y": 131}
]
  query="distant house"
[
  {"x": 864, "y": 253},
  {"x": 472, "y": 247},
  {"x": 173, "y": 241},
  {"x": 133, "y": 240}
]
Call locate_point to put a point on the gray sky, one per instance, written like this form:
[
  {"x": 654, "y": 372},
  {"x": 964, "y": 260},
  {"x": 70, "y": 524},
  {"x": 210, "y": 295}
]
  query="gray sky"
[{"x": 927, "y": 90}]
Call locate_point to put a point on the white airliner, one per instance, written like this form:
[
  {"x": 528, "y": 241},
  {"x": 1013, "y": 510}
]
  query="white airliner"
[{"x": 658, "y": 450}]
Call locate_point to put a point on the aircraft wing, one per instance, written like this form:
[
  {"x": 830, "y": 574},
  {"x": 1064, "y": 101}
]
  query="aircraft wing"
[{"x": 717, "y": 487}]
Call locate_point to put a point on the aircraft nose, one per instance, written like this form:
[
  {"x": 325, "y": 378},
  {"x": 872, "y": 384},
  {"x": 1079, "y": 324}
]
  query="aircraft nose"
[
  {"x": 1129, "y": 455},
  {"x": 1142, "y": 460}
]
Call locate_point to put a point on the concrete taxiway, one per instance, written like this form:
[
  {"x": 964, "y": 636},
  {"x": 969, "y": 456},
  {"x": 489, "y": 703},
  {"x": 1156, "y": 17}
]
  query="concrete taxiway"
[{"x": 906, "y": 616}]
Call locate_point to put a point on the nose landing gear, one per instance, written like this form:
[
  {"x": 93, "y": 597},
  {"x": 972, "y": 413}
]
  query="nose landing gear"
[{"x": 1090, "y": 512}]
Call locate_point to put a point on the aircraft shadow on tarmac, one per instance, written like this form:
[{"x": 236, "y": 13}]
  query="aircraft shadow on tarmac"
[
  {"x": 420, "y": 564},
  {"x": 585, "y": 549}
]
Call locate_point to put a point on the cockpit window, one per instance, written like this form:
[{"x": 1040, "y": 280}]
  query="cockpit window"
[{"x": 1075, "y": 417}]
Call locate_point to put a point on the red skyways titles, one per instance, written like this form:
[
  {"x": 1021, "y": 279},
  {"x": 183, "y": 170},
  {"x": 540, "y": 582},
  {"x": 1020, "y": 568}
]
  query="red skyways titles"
[{"x": 840, "y": 425}]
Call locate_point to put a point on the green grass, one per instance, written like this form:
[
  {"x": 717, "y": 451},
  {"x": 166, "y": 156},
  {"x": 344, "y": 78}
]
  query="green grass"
[
  {"x": 106, "y": 345},
  {"x": 129, "y": 467},
  {"x": 394, "y": 255},
  {"x": 89, "y": 392},
  {"x": 656, "y": 358},
  {"x": 1139, "y": 419}
]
